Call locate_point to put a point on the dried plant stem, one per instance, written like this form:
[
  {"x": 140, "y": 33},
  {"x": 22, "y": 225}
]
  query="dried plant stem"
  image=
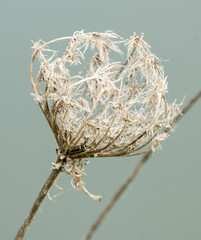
[
  {"x": 188, "y": 106},
  {"x": 132, "y": 176},
  {"x": 46, "y": 187}
]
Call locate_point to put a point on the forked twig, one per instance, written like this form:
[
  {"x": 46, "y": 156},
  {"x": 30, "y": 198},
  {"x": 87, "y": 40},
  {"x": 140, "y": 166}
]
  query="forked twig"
[{"x": 132, "y": 176}]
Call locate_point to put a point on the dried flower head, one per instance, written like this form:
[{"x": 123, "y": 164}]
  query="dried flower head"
[{"x": 98, "y": 107}]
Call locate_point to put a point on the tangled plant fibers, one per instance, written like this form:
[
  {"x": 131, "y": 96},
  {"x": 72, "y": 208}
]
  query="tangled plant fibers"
[{"x": 98, "y": 107}]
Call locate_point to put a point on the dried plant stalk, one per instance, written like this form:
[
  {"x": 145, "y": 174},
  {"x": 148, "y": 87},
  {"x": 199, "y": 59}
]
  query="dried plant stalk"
[
  {"x": 44, "y": 191},
  {"x": 97, "y": 105}
]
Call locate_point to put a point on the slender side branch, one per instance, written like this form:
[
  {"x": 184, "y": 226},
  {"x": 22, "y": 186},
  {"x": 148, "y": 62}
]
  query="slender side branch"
[
  {"x": 116, "y": 196},
  {"x": 46, "y": 187},
  {"x": 188, "y": 106},
  {"x": 133, "y": 174}
]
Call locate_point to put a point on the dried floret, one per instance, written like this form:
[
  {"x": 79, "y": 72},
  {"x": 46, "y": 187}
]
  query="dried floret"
[{"x": 98, "y": 106}]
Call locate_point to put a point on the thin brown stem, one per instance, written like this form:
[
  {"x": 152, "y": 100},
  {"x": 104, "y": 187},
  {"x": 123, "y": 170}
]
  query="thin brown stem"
[
  {"x": 115, "y": 198},
  {"x": 46, "y": 187},
  {"x": 133, "y": 174},
  {"x": 188, "y": 106}
]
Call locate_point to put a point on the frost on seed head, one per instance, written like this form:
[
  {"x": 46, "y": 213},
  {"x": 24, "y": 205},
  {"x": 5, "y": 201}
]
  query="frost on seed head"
[{"x": 98, "y": 105}]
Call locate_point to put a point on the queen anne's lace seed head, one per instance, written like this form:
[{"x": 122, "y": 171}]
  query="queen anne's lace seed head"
[{"x": 104, "y": 108}]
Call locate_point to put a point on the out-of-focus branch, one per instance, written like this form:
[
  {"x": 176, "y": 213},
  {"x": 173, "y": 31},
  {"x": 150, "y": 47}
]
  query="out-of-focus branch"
[
  {"x": 133, "y": 174},
  {"x": 188, "y": 106}
]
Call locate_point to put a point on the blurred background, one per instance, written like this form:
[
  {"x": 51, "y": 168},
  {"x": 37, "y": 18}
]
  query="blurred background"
[{"x": 164, "y": 201}]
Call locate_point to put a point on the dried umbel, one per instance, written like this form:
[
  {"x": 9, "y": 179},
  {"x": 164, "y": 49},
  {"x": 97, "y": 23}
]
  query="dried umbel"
[{"x": 99, "y": 107}]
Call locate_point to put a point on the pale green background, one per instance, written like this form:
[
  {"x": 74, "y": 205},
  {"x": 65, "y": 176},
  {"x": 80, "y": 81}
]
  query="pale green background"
[{"x": 164, "y": 202}]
